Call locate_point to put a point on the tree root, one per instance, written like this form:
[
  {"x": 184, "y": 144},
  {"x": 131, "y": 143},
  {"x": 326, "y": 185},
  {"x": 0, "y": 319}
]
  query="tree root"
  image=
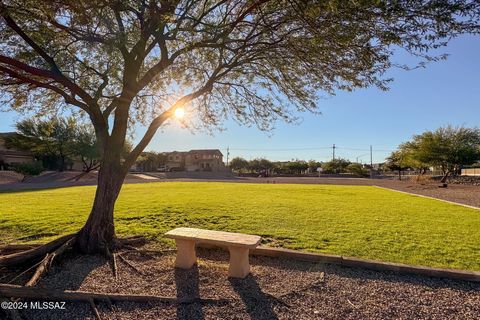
[
  {"x": 114, "y": 266},
  {"x": 46, "y": 263},
  {"x": 131, "y": 241},
  {"x": 94, "y": 309},
  {"x": 12, "y": 248},
  {"x": 131, "y": 265},
  {"x": 34, "y": 254},
  {"x": 23, "y": 292}
]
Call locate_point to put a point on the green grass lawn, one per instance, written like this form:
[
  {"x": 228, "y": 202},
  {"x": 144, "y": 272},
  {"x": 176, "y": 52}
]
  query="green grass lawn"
[{"x": 357, "y": 221}]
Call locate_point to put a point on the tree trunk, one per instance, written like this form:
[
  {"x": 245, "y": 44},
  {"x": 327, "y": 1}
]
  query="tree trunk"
[
  {"x": 399, "y": 175},
  {"x": 98, "y": 233},
  {"x": 445, "y": 176}
]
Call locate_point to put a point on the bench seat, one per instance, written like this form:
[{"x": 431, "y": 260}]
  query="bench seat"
[{"x": 238, "y": 245}]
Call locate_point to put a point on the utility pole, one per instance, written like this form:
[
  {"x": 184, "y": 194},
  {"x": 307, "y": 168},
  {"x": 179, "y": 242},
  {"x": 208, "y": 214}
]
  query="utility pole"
[
  {"x": 371, "y": 162},
  {"x": 333, "y": 148},
  {"x": 228, "y": 154}
]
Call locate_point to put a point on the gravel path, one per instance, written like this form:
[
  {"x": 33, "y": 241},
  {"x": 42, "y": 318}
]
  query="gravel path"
[{"x": 276, "y": 289}]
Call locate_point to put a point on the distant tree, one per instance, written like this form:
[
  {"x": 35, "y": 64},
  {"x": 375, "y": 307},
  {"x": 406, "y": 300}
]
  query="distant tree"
[
  {"x": 238, "y": 164},
  {"x": 410, "y": 160},
  {"x": 297, "y": 166},
  {"x": 314, "y": 165},
  {"x": 150, "y": 161},
  {"x": 398, "y": 161},
  {"x": 46, "y": 139},
  {"x": 57, "y": 142},
  {"x": 338, "y": 165},
  {"x": 357, "y": 169},
  {"x": 84, "y": 146},
  {"x": 260, "y": 165},
  {"x": 448, "y": 148}
]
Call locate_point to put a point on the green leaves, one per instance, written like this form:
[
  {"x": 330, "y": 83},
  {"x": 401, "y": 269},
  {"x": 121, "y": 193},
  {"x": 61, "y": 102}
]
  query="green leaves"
[
  {"x": 448, "y": 148},
  {"x": 257, "y": 61}
]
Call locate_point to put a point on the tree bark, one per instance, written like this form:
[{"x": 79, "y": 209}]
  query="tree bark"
[
  {"x": 98, "y": 233},
  {"x": 445, "y": 176}
]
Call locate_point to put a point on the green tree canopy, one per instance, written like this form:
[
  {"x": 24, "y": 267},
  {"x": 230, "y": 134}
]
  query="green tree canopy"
[
  {"x": 338, "y": 165},
  {"x": 357, "y": 169},
  {"x": 57, "y": 142},
  {"x": 238, "y": 164},
  {"x": 257, "y": 61},
  {"x": 151, "y": 161},
  {"x": 260, "y": 164},
  {"x": 46, "y": 139},
  {"x": 398, "y": 161},
  {"x": 448, "y": 148}
]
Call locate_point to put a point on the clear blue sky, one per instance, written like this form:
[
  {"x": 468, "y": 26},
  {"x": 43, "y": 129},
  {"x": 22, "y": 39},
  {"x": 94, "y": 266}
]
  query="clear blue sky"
[{"x": 445, "y": 92}]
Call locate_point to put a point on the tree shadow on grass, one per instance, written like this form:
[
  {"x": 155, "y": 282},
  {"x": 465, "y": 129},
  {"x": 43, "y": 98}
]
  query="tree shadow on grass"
[{"x": 257, "y": 303}]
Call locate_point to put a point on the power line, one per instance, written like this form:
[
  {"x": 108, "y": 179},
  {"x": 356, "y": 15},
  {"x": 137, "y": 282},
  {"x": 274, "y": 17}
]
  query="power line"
[
  {"x": 311, "y": 148},
  {"x": 283, "y": 149}
]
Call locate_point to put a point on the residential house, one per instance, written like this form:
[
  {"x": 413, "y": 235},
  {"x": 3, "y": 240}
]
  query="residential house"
[
  {"x": 204, "y": 160},
  {"x": 196, "y": 160},
  {"x": 175, "y": 161},
  {"x": 11, "y": 157}
]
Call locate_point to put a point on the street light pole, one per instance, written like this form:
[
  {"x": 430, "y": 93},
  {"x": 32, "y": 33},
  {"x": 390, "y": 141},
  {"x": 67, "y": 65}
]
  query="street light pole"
[{"x": 371, "y": 162}]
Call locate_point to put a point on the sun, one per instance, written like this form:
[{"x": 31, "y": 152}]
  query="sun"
[{"x": 179, "y": 113}]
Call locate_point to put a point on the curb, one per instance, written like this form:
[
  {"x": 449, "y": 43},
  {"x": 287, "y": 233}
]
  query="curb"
[
  {"x": 400, "y": 268},
  {"x": 428, "y": 197}
]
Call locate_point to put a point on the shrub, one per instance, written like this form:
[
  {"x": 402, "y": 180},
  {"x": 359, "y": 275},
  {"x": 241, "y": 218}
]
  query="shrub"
[
  {"x": 335, "y": 166},
  {"x": 357, "y": 169},
  {"x": 29, "y": 169}
]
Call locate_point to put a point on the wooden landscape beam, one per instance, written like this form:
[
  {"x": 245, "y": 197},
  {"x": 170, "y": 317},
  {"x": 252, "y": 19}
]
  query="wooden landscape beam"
[{"x": 23, "y": 292}]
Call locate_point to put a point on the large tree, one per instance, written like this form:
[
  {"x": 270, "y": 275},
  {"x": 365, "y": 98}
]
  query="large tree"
[
  {"x": 448, "y": 148},
  {"x": 238, "y": 164},
  {"x": 50, "y": 140},
  {"x": 57, "y": 142},
  {"x": 118, "y": 62},
  {"x": 398, "y": 161}
]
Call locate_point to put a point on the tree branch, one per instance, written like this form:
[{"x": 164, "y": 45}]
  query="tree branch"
[{"x": 158, "y": 121}]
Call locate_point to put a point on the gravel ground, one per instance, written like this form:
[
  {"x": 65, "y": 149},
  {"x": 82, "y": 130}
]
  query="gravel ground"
[{"x": 276, "y": 289}]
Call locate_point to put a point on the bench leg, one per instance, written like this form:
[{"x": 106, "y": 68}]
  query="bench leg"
[
  {"x": 186, "y": 256},
  {"x": 239, "y": 264}
]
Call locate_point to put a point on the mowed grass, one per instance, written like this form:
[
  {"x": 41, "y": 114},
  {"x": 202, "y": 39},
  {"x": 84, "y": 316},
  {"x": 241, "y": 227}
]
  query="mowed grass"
[{"x": 359, "y": 221}]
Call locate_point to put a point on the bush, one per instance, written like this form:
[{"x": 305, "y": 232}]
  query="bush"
[
  {"x": 357, "y": 169},
  {"x": 29, "y": 169},
  {"x": 335, "y": 166}
]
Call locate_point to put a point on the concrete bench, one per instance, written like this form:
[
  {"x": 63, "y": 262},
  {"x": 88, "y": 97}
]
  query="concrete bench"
[{"x": 238, "y": 245}]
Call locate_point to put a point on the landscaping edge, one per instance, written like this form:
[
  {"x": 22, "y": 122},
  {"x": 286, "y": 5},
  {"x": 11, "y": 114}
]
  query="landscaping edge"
[
  {"x": 454, "y": 274},
  {"x": 428, "y": 197}
]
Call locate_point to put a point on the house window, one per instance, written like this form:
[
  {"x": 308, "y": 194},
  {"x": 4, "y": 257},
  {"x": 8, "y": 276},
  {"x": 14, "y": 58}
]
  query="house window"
[{"x": 170, "y": 158}]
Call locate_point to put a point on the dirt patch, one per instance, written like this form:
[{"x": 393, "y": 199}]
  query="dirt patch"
[
  {"x": 464, "y": 194},
  {"x": 276, "y": 289}
]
